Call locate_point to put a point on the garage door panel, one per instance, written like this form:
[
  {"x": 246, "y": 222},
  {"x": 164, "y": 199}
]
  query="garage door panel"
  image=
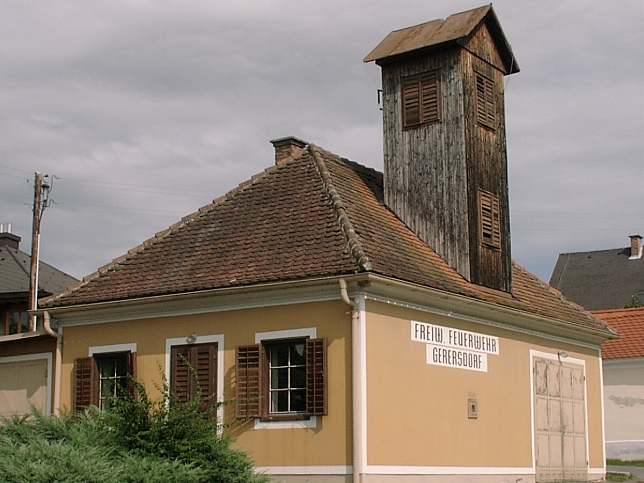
[{"x": 23, "y": 384}]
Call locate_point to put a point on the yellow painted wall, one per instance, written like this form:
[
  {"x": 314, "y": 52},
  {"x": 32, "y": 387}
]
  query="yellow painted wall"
[
  {"x": 417, "y": 414},
  {"x": 327, "y": 444}
]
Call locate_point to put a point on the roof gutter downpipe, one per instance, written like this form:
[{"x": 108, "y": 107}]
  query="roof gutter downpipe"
[
  {"x": 358, "y": 384},
  {"x": 59, "y": 359}
]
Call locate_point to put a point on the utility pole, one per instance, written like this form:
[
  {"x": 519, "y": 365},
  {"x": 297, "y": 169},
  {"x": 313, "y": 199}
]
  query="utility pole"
[{"x": 38, "y": 208}]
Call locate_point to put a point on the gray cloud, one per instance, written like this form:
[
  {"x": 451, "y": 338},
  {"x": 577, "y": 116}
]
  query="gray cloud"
[{"x": 147, "y": 111}]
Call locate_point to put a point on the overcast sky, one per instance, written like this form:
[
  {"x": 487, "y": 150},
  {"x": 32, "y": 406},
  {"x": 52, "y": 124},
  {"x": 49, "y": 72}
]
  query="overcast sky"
[{"x": 147, "y": 110}]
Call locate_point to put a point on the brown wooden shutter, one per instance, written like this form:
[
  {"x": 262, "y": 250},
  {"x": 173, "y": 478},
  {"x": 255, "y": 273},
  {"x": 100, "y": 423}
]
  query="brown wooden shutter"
[
  {"x": 203, "y": 358},
  {"x": 249, "y": 381},
  {"x": 131, "y": 370},
  {"x": 411, "y": 101},
  {"x": 194, "y": 367},
  {"x": 86, "y": 390},
  {"x": 485, "y": 104},
  {"x": 180, "y": 374},
  {"x": 316, "y": 386},
  {"x": 489, "y": 219},
  {"x": 420, "y": 99},
  {"x": 430, "y": 98}
]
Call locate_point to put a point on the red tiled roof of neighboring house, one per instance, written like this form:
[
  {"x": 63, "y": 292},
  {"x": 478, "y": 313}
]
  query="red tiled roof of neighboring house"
[
  {"x": 317, "y": 215},
  {"x": 630, "y": 324}
]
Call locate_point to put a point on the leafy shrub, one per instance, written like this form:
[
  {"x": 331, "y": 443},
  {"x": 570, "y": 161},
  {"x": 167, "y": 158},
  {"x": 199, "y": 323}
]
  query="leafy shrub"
[{"x": 137, "y": 441}]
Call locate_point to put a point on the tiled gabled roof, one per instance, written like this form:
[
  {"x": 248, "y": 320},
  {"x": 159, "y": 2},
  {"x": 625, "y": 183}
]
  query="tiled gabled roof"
[
  {"x": 317, "y": 215},
  {"x": 630, "y": 324},
  {"x": 14, "y": 275},
  {"x": 599, "y": 280}
]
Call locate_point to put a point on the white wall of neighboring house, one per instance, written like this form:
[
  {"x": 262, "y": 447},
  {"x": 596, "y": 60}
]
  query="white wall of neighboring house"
[{"x": 624, "y": 408}]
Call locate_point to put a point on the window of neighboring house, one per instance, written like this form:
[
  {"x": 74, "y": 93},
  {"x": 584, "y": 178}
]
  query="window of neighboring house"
[
  {"x": 282, "y": 379},
  {"x": 485, "y": 103},
  {"x": 420, "y": 99},
  {"x": 193, "y": 368},
  {"x": 103, "y": 377},
  {"x": 489, "y": 220},
  {"x": 14, "y": 321}
]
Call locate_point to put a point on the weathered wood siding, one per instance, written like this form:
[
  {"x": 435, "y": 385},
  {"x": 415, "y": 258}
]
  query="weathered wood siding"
[
  {"x": 486, "y": 169},
  {"x": 425, "y": 168}
]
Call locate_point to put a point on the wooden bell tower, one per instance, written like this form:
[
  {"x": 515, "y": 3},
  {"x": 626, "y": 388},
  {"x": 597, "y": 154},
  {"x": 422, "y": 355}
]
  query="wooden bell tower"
[{"x": 445, "y": 155}]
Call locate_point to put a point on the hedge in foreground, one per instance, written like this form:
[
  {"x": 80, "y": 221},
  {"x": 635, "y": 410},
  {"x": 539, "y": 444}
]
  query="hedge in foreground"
[{"x": 136, "y": 441}]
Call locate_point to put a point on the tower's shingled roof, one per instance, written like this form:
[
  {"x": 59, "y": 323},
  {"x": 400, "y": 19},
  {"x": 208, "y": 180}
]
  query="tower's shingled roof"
[{"x": 317, "y": 215}]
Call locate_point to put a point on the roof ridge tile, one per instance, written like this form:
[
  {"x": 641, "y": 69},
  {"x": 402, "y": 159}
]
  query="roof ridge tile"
[{"x": 353, "y": 240}]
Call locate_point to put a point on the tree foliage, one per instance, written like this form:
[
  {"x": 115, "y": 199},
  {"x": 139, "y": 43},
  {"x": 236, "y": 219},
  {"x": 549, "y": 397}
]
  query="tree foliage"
[{"x": 137, "y": 441}]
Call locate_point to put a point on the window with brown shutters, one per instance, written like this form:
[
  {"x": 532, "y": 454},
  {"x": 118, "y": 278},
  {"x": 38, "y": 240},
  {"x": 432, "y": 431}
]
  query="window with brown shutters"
[
  {"x": 282, "y": 379},
  {"x": 489, "y": 220},
  {"x": 193, "y": 370},
  {"x": 420, "y": 99},
  {"x": 100, "y": 379},
  {"x": 485, "y": 103}
]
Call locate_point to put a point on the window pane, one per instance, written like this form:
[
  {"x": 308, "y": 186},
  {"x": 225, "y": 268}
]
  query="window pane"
[
  {"x": 107, "y": 366},
  {"x": 298, "y": 401},
  {"x": 279, "y": 402},
  {"x": 279, "y": 355},
  {"x": 298, "y": 377},
  {"x": 279, "y": 378},
  {"x": 13, "y": 323},
  {"x": 107, "y": 388},
  {"x": 121, "y": 366},
  {"x": 24, "y": 321},
  {"x": 297, "y": 355}
]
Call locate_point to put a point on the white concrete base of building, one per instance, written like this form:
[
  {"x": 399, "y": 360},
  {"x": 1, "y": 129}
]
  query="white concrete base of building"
[{"x": 625, "y": 450}]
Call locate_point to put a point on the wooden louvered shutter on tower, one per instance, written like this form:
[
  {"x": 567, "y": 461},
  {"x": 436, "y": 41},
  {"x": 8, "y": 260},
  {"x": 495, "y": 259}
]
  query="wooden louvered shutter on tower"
[
  {"x": 411, "y": 101},
  {"x": 420, "y": 99},
  {"x": 316, "y": 386},
  {"x": 489, "y": 219},
  {"x": 86, "y": 382},
  {"x": 249, "y": 381},
  {"x": 429, "y": 97},
  {"x": 485, "y": 105}
]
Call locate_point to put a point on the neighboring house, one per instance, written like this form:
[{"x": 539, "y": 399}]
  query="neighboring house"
[
  {"x": 604, "y": 279},
  {"x": 369, "y": 328},
  {"x": 624, "y": 384},
  {"x": 26, "y": 356}
]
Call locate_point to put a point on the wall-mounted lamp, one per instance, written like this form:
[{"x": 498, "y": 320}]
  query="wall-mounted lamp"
[
  {"x": 562, "y": 355},
  {"x": 192, "y": 338}
]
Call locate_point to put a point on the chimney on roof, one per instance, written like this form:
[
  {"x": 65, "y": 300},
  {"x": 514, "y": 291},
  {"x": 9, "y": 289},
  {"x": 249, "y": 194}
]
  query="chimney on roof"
[
  {"x": 8, "y": 239},
  {"x": 636, "y": 247},
  {"x": 287, "y": 148},
  {"x": 445, "y": 160}
]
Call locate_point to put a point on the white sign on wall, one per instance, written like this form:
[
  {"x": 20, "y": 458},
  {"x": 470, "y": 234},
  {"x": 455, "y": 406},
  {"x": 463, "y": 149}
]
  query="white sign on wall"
[{"x": 457, "y": 348}]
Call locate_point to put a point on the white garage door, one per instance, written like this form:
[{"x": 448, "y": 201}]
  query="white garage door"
[
  {"x": 23, "y": 383},
  {"x": 560, "y": 421}
]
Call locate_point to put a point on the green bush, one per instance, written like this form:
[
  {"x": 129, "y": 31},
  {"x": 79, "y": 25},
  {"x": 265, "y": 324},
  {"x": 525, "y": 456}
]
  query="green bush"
[{"x": 138, "y": 441}]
